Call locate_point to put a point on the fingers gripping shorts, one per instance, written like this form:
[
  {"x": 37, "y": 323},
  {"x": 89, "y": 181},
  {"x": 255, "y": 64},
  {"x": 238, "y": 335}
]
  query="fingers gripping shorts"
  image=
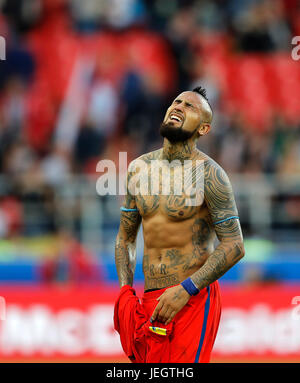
[{"x": 189, "y": 338}]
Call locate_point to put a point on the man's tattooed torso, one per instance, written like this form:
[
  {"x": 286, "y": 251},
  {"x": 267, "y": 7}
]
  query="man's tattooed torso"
[{"x": 178, "y": 235}]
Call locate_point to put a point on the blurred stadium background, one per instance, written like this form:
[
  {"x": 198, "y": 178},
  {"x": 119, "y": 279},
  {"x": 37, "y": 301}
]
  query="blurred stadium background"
[{"x": 85, "y": 80}]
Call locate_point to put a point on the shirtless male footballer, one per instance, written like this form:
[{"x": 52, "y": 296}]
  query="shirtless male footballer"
[{"x": 177, "y": 318}]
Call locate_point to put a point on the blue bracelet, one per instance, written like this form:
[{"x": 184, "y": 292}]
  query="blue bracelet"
[
  {"x": 125, "y": 209},
  {"x": 190, "y": 286},
  {"x": 226, "y": 219}
]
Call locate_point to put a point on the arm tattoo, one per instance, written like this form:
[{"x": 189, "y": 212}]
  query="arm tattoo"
[
  {"x": 216, "y": 265},
  {"x": 125, "y": 247},
  {"x": 221, "y": 205},
  {"x": 220, "y": 201}
]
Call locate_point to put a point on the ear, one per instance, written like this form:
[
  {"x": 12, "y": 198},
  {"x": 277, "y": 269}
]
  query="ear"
[{"x": 203, "y": 129}]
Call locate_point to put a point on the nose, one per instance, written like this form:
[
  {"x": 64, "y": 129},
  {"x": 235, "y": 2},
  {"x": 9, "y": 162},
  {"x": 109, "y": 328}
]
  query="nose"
[{"x": 178, "y": 108}]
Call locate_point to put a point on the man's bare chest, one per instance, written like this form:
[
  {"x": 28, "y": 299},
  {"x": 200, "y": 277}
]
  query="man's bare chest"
[{"x": 175, "y": 191}]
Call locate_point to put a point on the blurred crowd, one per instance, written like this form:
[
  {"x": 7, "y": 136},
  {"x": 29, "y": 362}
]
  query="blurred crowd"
[{"x": 83, "y": 80}]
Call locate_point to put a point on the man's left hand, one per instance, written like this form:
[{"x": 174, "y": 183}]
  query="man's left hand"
[{"x": 170, "y": 303}]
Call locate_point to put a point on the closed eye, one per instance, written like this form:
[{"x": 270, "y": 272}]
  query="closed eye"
[{"x": 189, "y": 105}]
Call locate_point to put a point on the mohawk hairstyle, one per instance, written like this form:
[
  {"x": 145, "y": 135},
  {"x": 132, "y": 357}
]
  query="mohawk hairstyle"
[{"x": 201, "y": 91}]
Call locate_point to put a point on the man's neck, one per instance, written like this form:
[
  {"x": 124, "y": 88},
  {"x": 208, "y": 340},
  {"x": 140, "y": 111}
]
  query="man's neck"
[{"x": 181, "y": 151}]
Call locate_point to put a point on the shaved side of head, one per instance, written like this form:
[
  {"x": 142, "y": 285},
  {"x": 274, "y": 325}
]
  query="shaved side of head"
[{"x": 206, "y": 108}]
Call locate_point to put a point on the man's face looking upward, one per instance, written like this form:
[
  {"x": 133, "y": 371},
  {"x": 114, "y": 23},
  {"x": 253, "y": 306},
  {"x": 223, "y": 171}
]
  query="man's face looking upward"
[{"x": 188, "y": 116}]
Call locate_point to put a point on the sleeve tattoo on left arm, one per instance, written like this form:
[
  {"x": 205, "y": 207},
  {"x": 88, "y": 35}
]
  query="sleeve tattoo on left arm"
[{"x": 221, "y": 204}]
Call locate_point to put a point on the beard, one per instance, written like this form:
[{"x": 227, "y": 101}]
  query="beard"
[{"x": 174, "y": 134}]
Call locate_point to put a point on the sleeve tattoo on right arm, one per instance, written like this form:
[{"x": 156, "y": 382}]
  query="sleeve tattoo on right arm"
[{"x": 125, "y": 247}]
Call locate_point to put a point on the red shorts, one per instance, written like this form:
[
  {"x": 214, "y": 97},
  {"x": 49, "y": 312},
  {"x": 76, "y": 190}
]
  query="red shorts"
[{"x": 189, "y": 338}]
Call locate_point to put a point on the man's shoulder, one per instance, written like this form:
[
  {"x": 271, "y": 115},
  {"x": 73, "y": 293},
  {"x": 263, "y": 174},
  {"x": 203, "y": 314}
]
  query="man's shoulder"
[
  {"x": 210, "y": 164},
  {"x": 146, "y": 157},
  {"x": 214, "y": 172},
  {"x": 216, "y": 180}
]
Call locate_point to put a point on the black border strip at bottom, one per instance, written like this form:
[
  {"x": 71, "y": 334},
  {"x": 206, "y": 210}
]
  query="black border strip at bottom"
[{"x": 110, "y": 372}]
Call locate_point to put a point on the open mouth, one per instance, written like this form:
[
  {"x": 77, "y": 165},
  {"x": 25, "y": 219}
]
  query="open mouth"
[{"x": 175, "y": 117}]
